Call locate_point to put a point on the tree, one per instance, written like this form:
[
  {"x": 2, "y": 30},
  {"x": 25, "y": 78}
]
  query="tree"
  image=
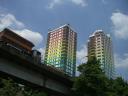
[
  {"x": 92, "y": 80},
  {"x": 120, "y": 87},
  {"x": 8, "y": 87},
  {"x": 31, "y": 92}
]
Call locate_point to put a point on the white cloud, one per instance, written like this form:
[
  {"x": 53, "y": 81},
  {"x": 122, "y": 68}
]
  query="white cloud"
[
  {"x": 81, "y": 57},
  {"x": 120, "y": 25},
  {"x": 121, "y": 61},
  {"x": 81, "y": 54},
  {"x": 121, "y": 65},
  {"x": 9, "y": 21},
  {"x": 42, "y": 50},
  {"x": 104, "y": 1},
  {"x": 34, "y": 37},
  {"x": 54, "y": 3},
  {"x": 82, "y": 3}
]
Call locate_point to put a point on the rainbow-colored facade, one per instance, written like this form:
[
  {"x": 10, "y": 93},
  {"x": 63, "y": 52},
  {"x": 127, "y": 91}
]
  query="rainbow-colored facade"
[{"x": 61, "y": 49}]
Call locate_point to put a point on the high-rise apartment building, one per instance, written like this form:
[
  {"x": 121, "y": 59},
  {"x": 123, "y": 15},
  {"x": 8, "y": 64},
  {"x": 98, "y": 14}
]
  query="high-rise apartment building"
[
  {"x": 61, "y": 49},
  {"x": 100, "y": 46}
]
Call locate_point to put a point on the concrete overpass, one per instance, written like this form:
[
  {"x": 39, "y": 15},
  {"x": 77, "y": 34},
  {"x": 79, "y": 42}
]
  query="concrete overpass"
[{"x": 21, "y": 66}]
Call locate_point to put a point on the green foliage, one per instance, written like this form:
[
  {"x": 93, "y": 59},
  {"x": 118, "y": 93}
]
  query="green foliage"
[
  {"x": 29, "y": 92},
  {"x": 9, "y": 88},
  {"x": 93, "y": 82},
  {"x": 119, "y": 87}
]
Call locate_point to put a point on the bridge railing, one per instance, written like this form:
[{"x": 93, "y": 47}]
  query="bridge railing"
[
  {"x": 28, "y": 57},
  {"x": 16, "y": 51}
]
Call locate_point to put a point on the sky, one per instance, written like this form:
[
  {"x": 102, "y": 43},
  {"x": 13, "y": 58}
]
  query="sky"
[{"x": 33, "y": 18}]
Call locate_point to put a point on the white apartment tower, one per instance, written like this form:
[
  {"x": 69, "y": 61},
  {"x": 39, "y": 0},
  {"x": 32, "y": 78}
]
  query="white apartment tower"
[{"x": 100, "y": 46}]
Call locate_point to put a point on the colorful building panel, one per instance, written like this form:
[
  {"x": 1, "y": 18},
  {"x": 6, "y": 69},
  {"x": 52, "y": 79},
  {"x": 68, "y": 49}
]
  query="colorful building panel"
[{"x": 61, "y": 49}]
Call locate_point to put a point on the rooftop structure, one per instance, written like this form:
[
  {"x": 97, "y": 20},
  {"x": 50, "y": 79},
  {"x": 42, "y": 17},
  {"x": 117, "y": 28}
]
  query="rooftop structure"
[{"x": 16, "y": 40}]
